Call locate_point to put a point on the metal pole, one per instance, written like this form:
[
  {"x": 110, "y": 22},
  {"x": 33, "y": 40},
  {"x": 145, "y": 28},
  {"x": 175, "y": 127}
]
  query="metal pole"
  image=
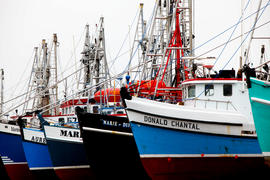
[{"x": 1, "y": 91}]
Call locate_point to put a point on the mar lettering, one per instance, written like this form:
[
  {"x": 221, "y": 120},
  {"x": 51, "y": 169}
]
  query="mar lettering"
[{"x": 67, "y": 133}]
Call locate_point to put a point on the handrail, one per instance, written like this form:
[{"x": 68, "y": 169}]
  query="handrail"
[{"x": 217, "y": 101}]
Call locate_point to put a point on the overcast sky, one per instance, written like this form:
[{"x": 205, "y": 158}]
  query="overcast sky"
[{"x": 24, "y": 23}]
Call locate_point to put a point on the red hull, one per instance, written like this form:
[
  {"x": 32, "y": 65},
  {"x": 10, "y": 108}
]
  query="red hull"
[
  {"x": 204, "y": 168},
  {"x": 75, "y": 174},
  {"x": 18, "y": 172}
]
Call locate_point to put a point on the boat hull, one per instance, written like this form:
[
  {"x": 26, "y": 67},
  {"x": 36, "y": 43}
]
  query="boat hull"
[
  {"x": 204, "y": 168},
  {"x": 67, "y": 153},
  {"x": 12, "y": 153},
  {"x": 69, "y": 173},
  {"x": 173, "y": 154},
  {"x": 3, "y": 173},
  {"x": 178, "y": 142},
  {"x": 260, "y": 95},
  {"x": 37, "y": 154},
  {"x": 110, "y": 147}
]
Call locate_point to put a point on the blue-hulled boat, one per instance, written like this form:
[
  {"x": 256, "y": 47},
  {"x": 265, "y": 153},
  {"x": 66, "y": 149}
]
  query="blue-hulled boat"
[
  {"x": 211, "y": 134},
  {"x": 67, "y": 152},
  {"x": 36, "y": 152},
  {"x": 12, "y": 153}
]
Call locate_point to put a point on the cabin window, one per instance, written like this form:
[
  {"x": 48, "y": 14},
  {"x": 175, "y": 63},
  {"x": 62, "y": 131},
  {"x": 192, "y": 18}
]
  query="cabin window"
[
  {"x": 191, "y": 91},
  {"x": 227, "y": 90},
  {"x": 61, "y": 121},
  {"x": 120, "y": 112},
  {"x": 209, "y": 90},
  {"x": 69, "y": 119}
]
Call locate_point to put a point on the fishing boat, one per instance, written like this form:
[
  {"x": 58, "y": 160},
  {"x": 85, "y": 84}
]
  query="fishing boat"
[
  {"x": 11, "y": 149},
  {"x": 65, "y": 143},
  {"x": 259, "y": 93},
  {"x": 12, "y": 152},
  {"x": 209, "y": 133},
  {"x": 105, "y": 130},
  {"x": 57, "y": 153},
  {"x": 36, "y": 151},
  {"x": 110, "y": 146},
  {"x": 63, "y": 134}
]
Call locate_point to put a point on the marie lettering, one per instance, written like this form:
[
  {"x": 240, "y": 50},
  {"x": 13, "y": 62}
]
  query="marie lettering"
[
  {"x": 110, "y": 123},
  {"x": 67, "y": 133}
]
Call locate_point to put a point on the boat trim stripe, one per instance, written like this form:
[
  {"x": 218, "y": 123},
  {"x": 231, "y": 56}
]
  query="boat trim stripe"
[
  {"x": 262, "y": 101},
  {"x": 13, "y": 163},
  {"x": 40, "y": 168},
  {"x": 266, "y": 153},
  {"x": 107, "y": 131},
  {"x": 72, "y": 167},
  {"x": 198, "y": 121},
  {"x": 197, "y": 155}
]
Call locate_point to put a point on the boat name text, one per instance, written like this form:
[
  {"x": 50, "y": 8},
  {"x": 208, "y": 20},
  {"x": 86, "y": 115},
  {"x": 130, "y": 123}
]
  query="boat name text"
[
  {"x": 67, "y": 133},
  {"x": 15, "y": 129},
  {"x": 115, "y": 123},
  {"x": 172, "y": 123},
  {"x": 38, "y": 139}
]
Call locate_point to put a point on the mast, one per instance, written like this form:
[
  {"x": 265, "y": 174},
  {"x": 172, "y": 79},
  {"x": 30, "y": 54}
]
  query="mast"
[
  {"x": 101, "y": 69},
  {"x": 52, "y": 66},
  {"x": 45, "y": 77},
  {"x": 1, "y": 92},
  {"x": 139, "y": 39},
  {"x": 31, "y": 86},
  {"x": 179, "y": 45},
  {"x": 86, "y": 59},
  {"x": 94, "y": 60}
]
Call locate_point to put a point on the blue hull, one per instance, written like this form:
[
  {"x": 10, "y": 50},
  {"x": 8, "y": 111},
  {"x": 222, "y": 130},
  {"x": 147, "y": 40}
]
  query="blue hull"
[
  {"x": 11, "y": 148},
  {"x": 157, "y": 141},
  {"x": 37, "y": 155},
  {"x": 176, "y": 154},
  {"x": 12, "y": 154}
]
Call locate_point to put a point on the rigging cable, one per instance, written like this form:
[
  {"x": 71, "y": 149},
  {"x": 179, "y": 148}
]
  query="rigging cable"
[
  {"x": 227, "y": 29},
  {"x": 231, "y": 35},
  {"x": 253, "y": 27}
]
